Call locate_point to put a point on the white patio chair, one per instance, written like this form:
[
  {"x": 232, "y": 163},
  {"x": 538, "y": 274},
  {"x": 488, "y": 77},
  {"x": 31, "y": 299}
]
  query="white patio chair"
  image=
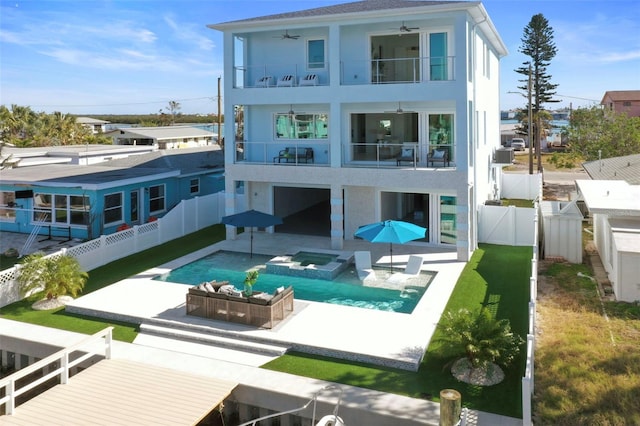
[
  {"x": 309, "y": 80},
  {"x": 287, "y": 81},
  {"x": 363, "y": 265},
  {"x": 412, "y": 269},
  {"x": 266, "y": 81}
]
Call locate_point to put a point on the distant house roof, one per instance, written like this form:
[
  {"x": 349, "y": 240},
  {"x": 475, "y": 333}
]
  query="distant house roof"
[
  {"x": 89, "y": 120},
  {"x": 611, "y": 197},
  {"x": 66, "y": 154},
  {"x": 164, "y": 132},
  {"x": 620, "y": 96},
  {"x": 625, "y": 168},
  {"x": 187, "y": 160},
  {"x": 144, "y": 167}
]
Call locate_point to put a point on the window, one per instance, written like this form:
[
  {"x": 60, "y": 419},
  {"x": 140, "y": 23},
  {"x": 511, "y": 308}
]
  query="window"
[
  {"x": 441, "y": 133},
  {"x": 156, "y": 199},
  {"x": 438, "y": 56},
  {"x": 7, "y": 205},
  {"x": 61, "y": 209},
  {"x": 448, "y": 220},
  {"x": 301, "y": 126},
  {"x": 194, "y": 186},
  {"x": 113, "y": 208},
  {"x": 315, "y": 54}
]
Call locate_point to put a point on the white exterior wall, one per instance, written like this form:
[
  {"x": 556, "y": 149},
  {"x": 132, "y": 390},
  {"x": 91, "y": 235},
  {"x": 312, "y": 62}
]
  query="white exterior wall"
[{"x": 472, "y": 96}]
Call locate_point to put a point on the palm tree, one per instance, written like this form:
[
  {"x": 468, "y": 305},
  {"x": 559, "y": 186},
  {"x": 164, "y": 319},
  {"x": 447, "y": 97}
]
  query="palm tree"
[
  {"x": 51, "y": 276},
  {"x": 480, "y": 337}
]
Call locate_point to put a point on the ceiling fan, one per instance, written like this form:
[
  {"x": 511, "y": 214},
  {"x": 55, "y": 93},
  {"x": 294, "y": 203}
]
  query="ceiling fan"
[
  {"x": 404, "y": 29},
  {"x": 286, "y": 35},
  {"x": 399, "y": 110}
]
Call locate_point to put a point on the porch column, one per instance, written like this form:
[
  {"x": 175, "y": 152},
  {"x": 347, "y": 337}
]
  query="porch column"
[
  {"x": 464, "y": 225},
  {"x": 230, "y": 206},
  {"x": 337, "y": 217}
]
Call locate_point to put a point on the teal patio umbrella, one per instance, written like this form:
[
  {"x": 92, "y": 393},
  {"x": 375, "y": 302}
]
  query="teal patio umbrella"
[
  {"x": 251, "y": 218},
  {"x": 391, "y": 231}
]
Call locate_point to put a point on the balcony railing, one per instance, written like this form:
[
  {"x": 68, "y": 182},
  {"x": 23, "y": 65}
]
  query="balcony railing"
[
  {"x": 293, "y": 153},
  {"x": 391, "y": 155},
  {"x": 397, "y": 70},
  {"x": 282, "y": 75},
  {"x": 377, "y": 71}
]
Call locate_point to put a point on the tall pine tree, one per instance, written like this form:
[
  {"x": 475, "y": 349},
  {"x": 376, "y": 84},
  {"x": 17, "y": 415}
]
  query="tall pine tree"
[{"x": 538, "y": 45}]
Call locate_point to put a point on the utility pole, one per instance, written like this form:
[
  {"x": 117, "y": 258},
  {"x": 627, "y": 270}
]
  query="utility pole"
[
  {"x": 220, "y": 137},
  {"x": 530, "y": 124}
]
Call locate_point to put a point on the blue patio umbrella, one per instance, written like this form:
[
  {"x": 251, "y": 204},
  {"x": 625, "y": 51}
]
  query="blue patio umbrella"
[
  {"x": 391, "y": 231},
  {"x": 252, "y": 219}
]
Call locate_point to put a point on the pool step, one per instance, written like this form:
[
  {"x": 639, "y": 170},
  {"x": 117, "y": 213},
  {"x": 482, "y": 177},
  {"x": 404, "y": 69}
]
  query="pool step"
[{"x": 212, "y": 339}]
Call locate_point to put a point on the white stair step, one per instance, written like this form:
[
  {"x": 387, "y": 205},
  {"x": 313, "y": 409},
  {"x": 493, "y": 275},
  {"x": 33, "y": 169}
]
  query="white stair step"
[{"x": 216, "y": 340}]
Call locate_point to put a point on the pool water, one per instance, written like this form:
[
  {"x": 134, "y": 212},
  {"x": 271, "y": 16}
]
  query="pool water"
[
  {"x": 306, "y": 258},
  {"x": 346, "y": 289}
]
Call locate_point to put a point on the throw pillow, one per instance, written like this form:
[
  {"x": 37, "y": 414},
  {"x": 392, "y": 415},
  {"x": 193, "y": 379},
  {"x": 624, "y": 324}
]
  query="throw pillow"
[
  {"x": 438, "y": 154},
  {"x": 406, "y": 152}
]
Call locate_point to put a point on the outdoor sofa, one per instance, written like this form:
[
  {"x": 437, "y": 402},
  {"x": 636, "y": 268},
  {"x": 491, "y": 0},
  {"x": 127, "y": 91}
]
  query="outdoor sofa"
[
  {"x": 295, "y": 155},
  {"x": 219, "y": 301}
]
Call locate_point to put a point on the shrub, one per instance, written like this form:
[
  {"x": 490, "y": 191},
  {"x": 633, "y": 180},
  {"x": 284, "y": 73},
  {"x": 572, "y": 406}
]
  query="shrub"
[{"x": 51, "y": 276}]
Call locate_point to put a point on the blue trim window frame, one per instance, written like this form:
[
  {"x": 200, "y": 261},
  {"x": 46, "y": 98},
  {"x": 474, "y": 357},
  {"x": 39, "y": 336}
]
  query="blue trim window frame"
[
  {"x": 194, "y": 186},
  {"x": 316, "y": 54},
  {"x": 7, "y": 206},
  {"x": 113, "y": 208},
  {"x": 157, "y": 199}
]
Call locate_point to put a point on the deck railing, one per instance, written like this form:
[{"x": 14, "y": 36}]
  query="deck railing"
[{"x": 62, "y": 361}]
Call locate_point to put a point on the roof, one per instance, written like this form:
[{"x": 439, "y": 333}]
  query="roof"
[
  {"x": 116, "y": 391},
  {"x": 89, "y": 177},
  {"x": 89, "y": 120},
  {"x": 344, "y": 8},
  {"x": 621, "y": 95},
  {"x": 165, "y": 132},
  {"x": 610, "y": 197},
  {"x": 154, "y": 165},
  {"x": 625, "y": 168},
  {"x": 374, "y": 8},
  {"x": 187, "y": 160}
]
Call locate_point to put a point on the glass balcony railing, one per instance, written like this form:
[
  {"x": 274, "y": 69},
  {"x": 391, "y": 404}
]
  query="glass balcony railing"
[
  {"x": 294, "y": 153},
  {"x": 377, "y": 71}
]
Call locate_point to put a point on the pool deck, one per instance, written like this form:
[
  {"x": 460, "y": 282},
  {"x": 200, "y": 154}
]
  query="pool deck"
[{"x": 384, "y": 338}]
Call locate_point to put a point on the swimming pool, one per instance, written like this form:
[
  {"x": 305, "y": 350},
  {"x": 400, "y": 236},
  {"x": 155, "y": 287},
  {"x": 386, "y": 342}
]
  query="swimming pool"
[{"x": 346, "y": 289}]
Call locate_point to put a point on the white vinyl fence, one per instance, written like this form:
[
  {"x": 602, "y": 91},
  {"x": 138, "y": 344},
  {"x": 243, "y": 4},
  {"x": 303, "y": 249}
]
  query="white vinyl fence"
[
  {"x": 187, "y": 217},
  {"x": 521, "y": 186}
]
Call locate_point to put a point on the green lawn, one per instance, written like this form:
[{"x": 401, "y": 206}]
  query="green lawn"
[
  {"x": 496, "y": 276},
  {"x": 109, "y": 274}
]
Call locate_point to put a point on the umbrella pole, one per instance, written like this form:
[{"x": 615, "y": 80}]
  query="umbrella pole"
[
  {"x": 251, "y": 245},
  {"x": 391, "y": 252}
]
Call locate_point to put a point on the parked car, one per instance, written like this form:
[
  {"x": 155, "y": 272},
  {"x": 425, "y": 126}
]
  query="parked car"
[{"x": 518, "y": 144}]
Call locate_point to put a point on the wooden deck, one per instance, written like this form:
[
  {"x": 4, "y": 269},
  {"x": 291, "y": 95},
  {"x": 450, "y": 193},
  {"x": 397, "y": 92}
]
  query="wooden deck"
[{"x": 119, "y": 392}]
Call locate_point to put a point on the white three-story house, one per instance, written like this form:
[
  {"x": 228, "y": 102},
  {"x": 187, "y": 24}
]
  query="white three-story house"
[{"x": 365, "y": 111}]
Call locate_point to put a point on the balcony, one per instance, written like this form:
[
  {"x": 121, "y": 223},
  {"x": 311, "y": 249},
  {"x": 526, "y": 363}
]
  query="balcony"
[
  {"x": 281, "y": 75},
  {"x": 294, "y": 153},
  {"x": 377, "y": 71},
  {"x": 394, "y": 155}
]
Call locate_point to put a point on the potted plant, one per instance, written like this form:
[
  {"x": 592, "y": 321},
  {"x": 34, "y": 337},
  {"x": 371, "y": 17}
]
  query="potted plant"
[{"x": 249, "y": 280}]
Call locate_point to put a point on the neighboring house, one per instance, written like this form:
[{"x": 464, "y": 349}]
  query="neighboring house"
[
  {"x": 71, "y": 154},
  {"x": 166, "y": 137},
  {"x": 613, "y": 200},
  {"x": 96, "y": 126},
  {"x": 365, "y": 111},
  {"x": 627, "y": 101},
  {"x": 88, "y": 201}
]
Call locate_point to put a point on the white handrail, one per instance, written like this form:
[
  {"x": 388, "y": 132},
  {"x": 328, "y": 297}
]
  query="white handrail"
[{"x": 62, "y": 356}]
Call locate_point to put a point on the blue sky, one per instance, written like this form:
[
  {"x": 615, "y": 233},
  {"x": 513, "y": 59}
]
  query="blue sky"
[{"x": 130, "y": 57}]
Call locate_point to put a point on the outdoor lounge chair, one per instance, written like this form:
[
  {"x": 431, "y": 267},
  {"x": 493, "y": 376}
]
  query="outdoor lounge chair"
[
  {"x": 309, "y": 80},
  {"x": 266, "y": 81},
  {"x": 363, "y": 265},
  {"x": 414, "y": 264},
  {"x": 406, "y": 155},
  {"x": 287, "y": 81}
]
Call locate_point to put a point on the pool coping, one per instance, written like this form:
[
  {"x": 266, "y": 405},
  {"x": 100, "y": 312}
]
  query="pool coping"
[{"x": 381, "y": 338}]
